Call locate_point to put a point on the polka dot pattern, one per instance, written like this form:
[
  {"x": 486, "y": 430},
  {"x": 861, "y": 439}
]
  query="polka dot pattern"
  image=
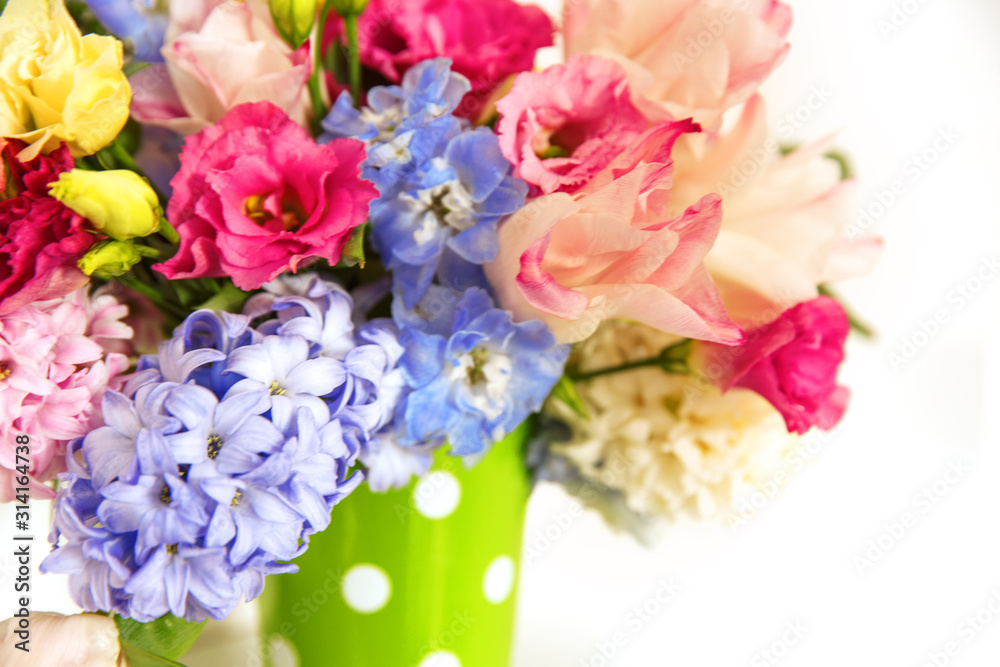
[
  {"x": 436, "y": 495},
  {"x": 441, "y": 659},
  {"x": 366, "y": 588},
  {"x": 499, "y": 579}
]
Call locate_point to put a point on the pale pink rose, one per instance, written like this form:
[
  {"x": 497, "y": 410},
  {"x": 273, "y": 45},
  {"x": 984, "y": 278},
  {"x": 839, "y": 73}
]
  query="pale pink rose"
[
  {"x": 80, "y": 640},
  {"x": 562, "y": 126},
  {"x": 220, "y": 55},
  {"x": 784, "y": 217},
  {"x": 613, "y": 251},
  {"x": 704, "y": 56}
]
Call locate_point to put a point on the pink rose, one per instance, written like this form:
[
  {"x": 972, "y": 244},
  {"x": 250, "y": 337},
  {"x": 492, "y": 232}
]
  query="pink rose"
[
  {"x": 256, "y": 196},
  {"x": 792, "y": 362},
  {"x": 40, "y": 239},
  {"x": 783, "y": 217},
  {"x": 486, "y": 40},
  {"x": 54, "y": 368},
  {"x": 702, "y": 56},
  {"x": 562, "y": 126},
  {"x": 613, "y": 251},
  {"x": 220, "y": 54}
]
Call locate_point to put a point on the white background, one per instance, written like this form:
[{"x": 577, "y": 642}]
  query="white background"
[{"x": 794, "y": 562}]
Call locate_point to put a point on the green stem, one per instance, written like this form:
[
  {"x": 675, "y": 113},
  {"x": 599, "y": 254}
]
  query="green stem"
[
  {"x": 856, "y": 323},
  {"x": 151, "y": 294},
  {"x": 632, "y": 365},
  {"x": 316, "y": 78},
  {"x": 353, "y": 57},
  {"x": 168, "y": 232},
  {"x": 664, "y": 360}
]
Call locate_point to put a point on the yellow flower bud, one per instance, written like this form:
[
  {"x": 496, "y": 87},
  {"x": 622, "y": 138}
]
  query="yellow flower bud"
[
  {"x": 109, "y": 259},
  {"x": 58, "y": 85},
  {"x": 294, "y": 19},
  {"x": 119, "y": 203}
]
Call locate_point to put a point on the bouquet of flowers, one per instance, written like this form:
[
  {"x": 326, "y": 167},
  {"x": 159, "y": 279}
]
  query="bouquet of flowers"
[{"x": 260, "y": 256}]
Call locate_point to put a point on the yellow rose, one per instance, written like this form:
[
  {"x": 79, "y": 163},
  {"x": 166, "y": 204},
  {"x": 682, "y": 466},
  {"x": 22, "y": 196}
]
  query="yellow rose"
[
  {"x": 57, "y": 85},
  {"x": 120, "y": 203}
]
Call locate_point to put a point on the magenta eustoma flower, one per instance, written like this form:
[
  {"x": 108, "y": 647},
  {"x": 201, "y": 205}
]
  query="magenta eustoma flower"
[
  {"x": 792, "y": 362},
  {"x": 486, "y": 40},
  {"x": 256, "y": 196}
]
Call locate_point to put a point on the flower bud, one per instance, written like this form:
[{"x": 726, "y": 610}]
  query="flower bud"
[
  {"x": 294, "y": 19},
  {"x": 109, "y": 259},
  {"x": 119, "y": 203}
]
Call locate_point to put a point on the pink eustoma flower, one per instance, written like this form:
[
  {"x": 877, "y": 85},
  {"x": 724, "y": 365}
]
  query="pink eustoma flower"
[
  {"x": 792, "y": 362},
  {"x": 256, "y": 196},
  {"x": 562, "y": 126},
  {"x": 486, "y": 40},
  {"x": 613, "y": 251}
]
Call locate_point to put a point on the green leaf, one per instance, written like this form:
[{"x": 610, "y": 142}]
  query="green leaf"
[
  {"x": 134, "y": 66},
  {"x": 354, "y": 251},
  {"x": 846, "y": 171},
  {"x": 138, "y": 658},
  {"x": 565, "y": 391},
  {"x": 166, "y": 639},
  {"x": 230, "y": 299}
]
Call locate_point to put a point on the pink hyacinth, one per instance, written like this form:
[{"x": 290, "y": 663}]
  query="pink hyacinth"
[{"x": 53, "y": 372}]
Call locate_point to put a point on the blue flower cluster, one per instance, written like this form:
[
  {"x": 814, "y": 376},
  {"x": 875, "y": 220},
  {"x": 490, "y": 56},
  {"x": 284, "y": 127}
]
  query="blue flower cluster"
[
  {"x": 443, "y": 185},
  {"x": 471, "y": 374},
  {"x": 222, "y": 454}
]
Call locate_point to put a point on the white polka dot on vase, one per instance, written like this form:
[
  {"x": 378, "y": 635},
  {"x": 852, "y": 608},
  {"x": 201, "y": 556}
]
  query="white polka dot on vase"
[
  {"x": 441, "y": 659},
  {"x": 437, "y": 494},
  {"x": 366, "y": 588},
  {"x": 499, "y": 579}
]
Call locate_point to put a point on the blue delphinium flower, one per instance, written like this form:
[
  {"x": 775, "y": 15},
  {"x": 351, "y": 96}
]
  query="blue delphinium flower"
[
  {"x": 444, "y": 220},
  {"x": 444, "y": 186},
  {"x": 135, "y": 22},
  {"x": 476, "y": 375},
  {"x": 222, "y": 454}
]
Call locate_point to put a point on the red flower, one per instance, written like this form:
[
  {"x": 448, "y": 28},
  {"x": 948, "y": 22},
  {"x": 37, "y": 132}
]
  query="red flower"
[
  {"x": 256, "y": 196},
  {"x": 40, "y": 239}
]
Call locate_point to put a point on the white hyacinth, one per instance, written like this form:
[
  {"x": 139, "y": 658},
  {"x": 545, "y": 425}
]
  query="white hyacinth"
[{"x": 671, "y": 444}]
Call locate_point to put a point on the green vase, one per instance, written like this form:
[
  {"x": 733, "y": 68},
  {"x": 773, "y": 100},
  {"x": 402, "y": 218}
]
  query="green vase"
[{"x": 419, "y": 577}]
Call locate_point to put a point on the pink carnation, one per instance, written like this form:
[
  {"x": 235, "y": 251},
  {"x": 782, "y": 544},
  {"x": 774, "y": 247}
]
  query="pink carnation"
[
  {"x": 40, "y": 239},
  {"x": 700, "y": 56},
  {"x": 53, "y": 372},
  {"x": 792, "y": 362},
  {"x": 487, "y": 40},
  {"x": 562, "y": 126},
  {"x": 256, "y": 196},
  {"x": 613, "y": 251}
]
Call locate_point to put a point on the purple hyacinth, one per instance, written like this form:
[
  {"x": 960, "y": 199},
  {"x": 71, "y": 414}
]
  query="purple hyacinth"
[{"x": 222, "y": 454}]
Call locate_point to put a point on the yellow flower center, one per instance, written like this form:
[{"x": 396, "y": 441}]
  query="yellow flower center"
[{"x": 214, "y": 445}]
